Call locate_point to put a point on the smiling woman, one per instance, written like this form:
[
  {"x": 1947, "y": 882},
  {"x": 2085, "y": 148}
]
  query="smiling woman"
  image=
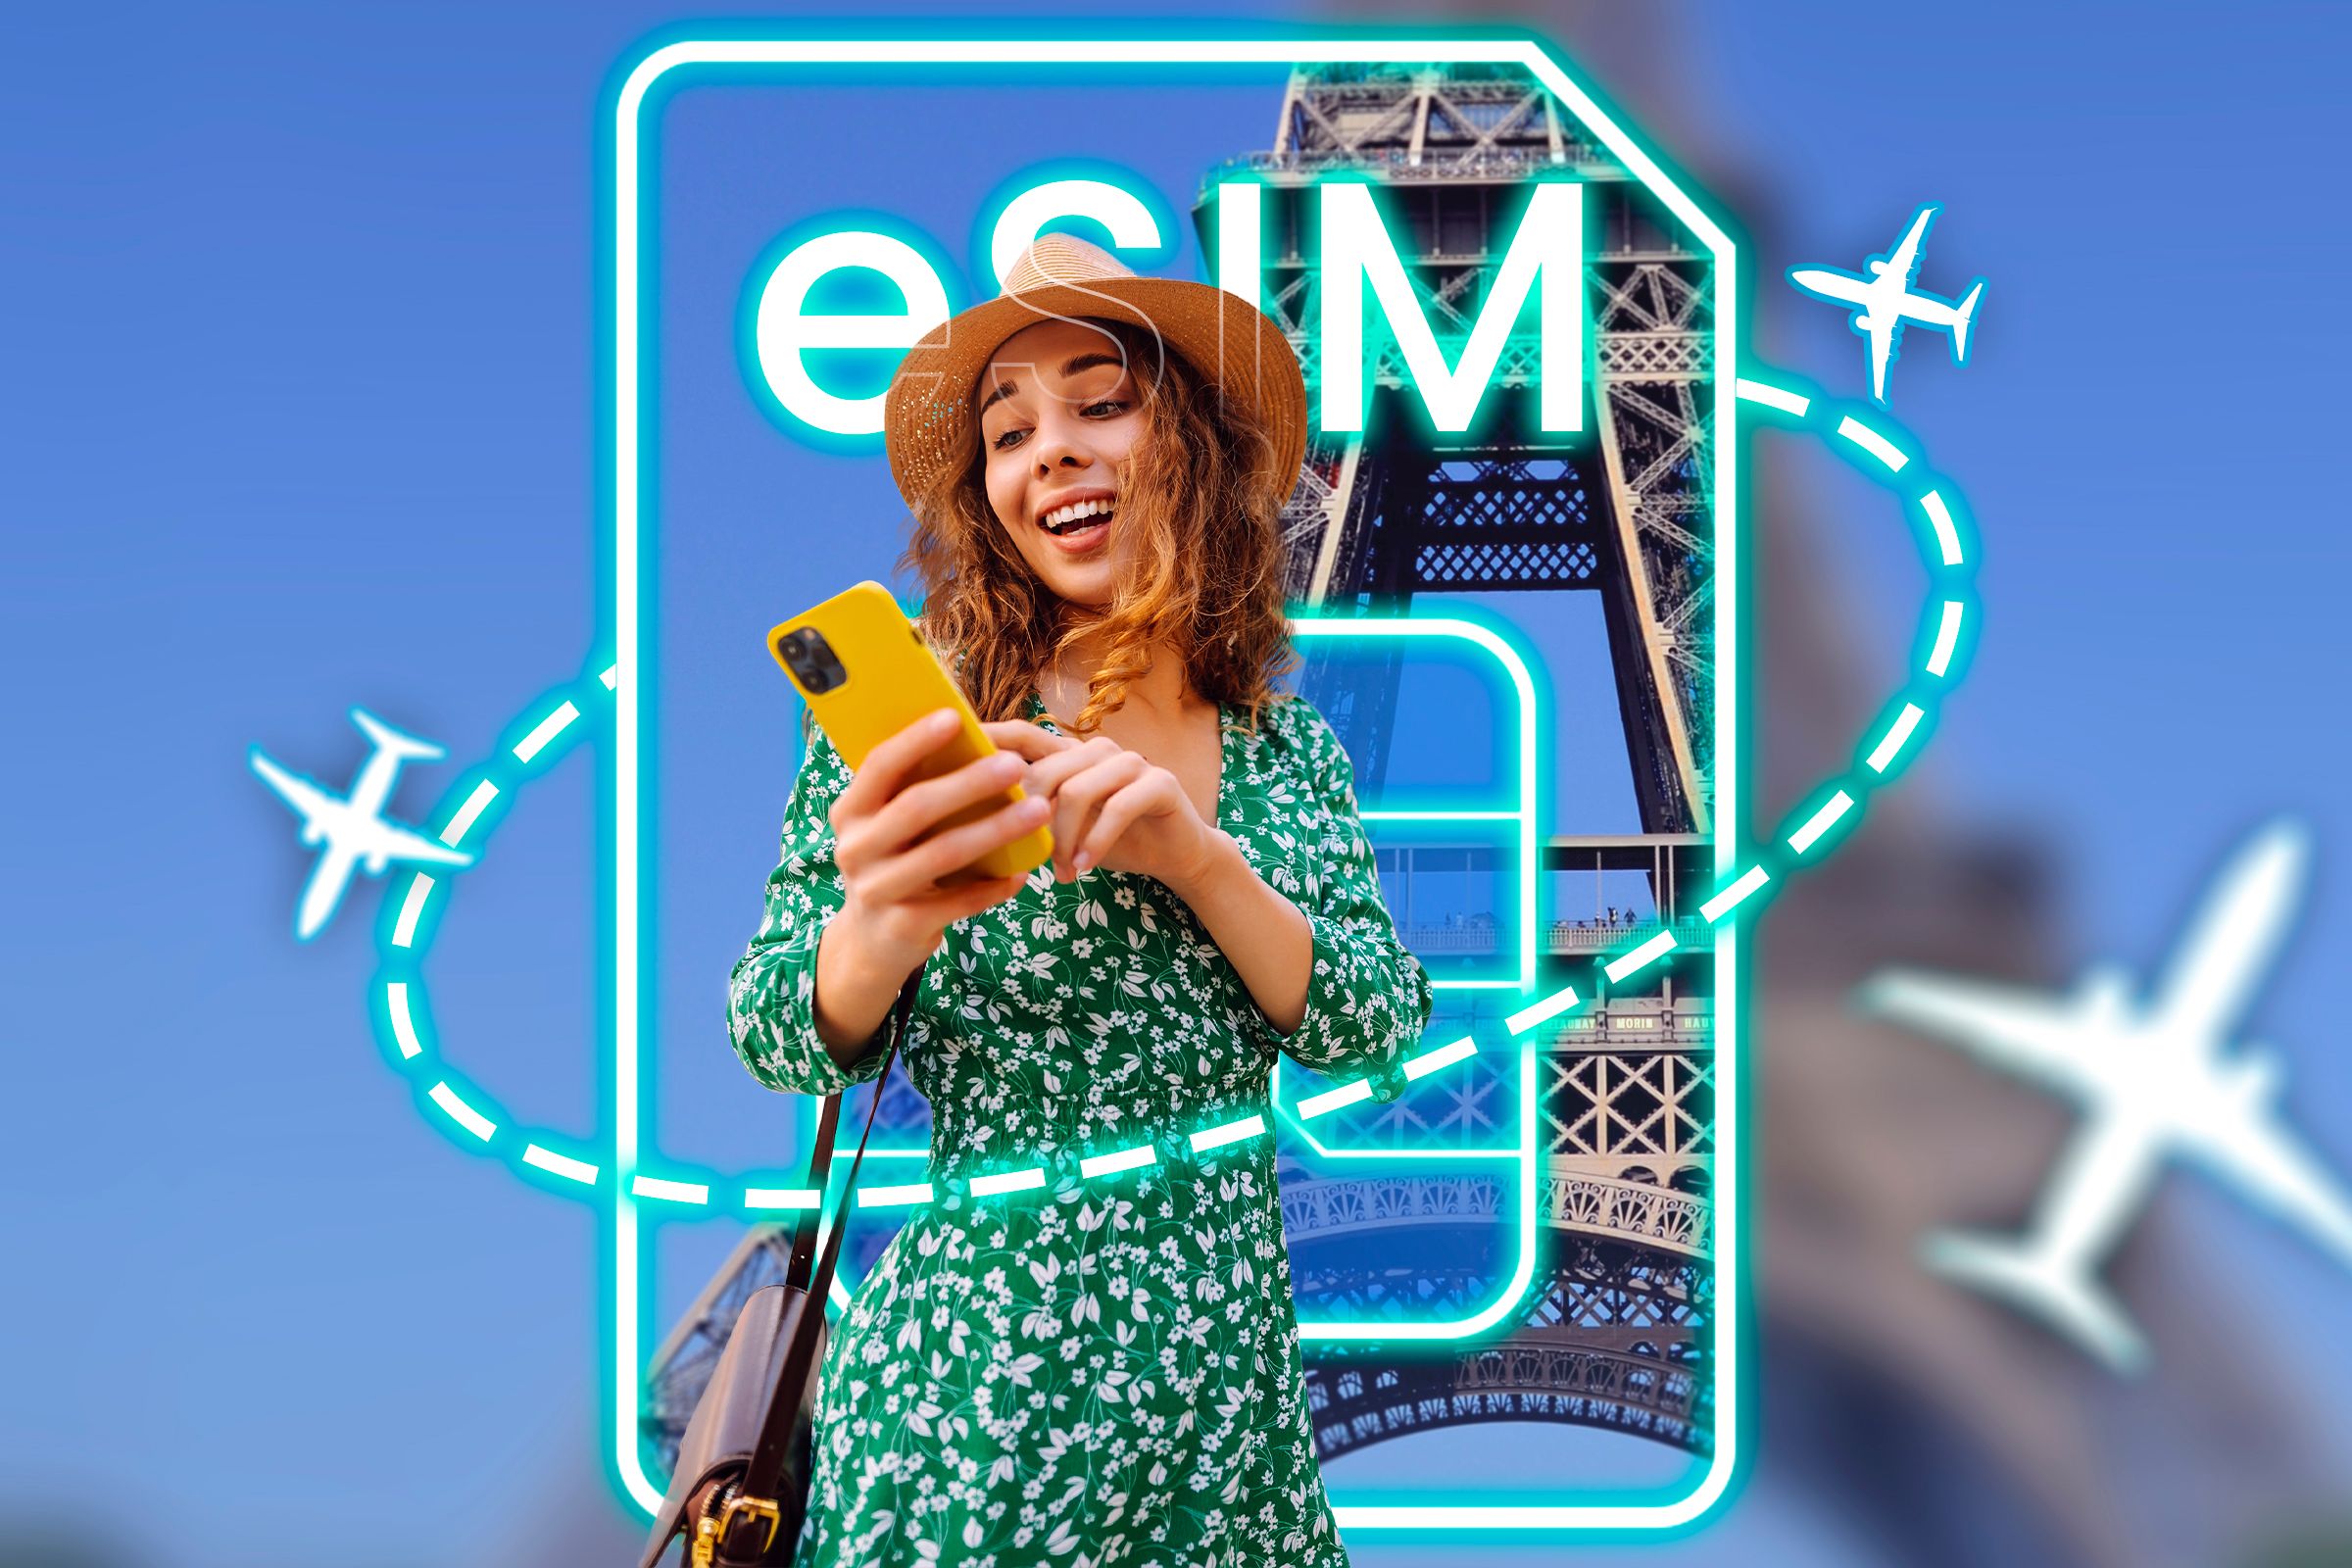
[
  {"x": 1104, "y": 1369},
  {"x": 1061, "y": 407}
]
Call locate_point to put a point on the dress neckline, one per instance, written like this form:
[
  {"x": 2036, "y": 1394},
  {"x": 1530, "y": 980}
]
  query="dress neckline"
[{"x": 1227, "y": 728}]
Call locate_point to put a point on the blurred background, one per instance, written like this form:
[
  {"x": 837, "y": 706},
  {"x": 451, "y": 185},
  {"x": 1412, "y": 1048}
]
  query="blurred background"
[{"x": 299, "y": 393}]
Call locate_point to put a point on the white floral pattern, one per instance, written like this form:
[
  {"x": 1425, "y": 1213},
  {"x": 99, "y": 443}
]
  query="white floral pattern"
[{"x": 1105, "y": 1371}]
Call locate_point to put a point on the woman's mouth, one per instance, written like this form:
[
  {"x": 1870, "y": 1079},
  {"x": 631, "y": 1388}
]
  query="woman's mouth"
[{"x": 1079, "y": 528}]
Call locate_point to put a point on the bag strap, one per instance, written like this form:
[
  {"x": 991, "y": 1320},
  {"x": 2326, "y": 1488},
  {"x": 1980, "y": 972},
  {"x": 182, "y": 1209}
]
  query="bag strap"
[
  {"x": 820, "y": 1161},
  {"x": 793, "y": 1367}
]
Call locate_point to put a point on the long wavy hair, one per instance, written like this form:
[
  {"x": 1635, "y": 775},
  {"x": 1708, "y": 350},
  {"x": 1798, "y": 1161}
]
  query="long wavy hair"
[{"x": 1202, "y": 574}]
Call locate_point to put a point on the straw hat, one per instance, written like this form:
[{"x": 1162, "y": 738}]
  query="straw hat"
[{"x": 927, "y": 417}]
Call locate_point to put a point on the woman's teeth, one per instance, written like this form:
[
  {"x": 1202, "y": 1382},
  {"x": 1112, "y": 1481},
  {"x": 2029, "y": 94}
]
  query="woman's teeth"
[{"x": 1077, "y": 516}]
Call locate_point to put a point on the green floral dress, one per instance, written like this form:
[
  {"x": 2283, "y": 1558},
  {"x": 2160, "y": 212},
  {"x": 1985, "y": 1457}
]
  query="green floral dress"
[{"x": 1099, "y": 1367}]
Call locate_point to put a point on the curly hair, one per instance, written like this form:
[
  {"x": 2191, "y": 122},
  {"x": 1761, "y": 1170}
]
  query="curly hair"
[{"x": 1201, "y": 503}]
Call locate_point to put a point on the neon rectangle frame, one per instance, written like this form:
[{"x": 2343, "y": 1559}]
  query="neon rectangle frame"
[
  {"x": 1520, "y": 1159},
  {"x": 625, "y": 262}
]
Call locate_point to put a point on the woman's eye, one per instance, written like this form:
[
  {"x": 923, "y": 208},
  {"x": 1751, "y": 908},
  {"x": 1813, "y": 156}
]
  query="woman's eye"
[{"x": 1118, "y": 404}]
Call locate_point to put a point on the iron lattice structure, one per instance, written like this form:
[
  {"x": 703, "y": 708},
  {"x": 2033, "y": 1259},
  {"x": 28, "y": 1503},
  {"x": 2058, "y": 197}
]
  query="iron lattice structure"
[
  {"x": 1615, "y": 1330},
  {"x": 1619, "y": 508}
]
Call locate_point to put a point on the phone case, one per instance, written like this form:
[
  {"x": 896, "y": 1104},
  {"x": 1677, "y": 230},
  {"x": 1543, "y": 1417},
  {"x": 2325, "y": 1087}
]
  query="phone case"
[{"x": 890, "y": 679}]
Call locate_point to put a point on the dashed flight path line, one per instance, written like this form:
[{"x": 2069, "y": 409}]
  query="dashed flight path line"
[{"x": 403, "y": 1015}]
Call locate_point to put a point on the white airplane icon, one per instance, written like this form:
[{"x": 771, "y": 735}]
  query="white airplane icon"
[
  {"x": 352, "y": 828},
  {"x": 1884, "y": 299},
  {"x": 2153, "y": 1080}
]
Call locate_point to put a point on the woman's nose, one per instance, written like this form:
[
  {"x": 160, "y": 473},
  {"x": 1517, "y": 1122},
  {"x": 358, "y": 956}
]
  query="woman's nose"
[{"x": 1057, "y": 444}]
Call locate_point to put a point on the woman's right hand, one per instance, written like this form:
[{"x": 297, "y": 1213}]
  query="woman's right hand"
[{"x": 896, "y": 909}]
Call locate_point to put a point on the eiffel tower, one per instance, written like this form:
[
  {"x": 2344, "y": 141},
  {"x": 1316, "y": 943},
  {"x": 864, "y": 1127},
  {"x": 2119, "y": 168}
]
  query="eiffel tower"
[{"x": 1614, "y": 1332}]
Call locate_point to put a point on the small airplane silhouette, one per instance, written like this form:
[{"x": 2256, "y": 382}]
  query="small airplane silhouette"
[
  {"x": 2153, "y": 1080},
  {"x": 1884, "y": 300},
  {"x": 352, "y": 828}
]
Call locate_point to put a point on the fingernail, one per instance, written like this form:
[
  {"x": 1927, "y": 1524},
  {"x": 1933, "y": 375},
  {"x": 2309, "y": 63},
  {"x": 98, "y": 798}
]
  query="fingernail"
[{"x": 1082, "y": 861}]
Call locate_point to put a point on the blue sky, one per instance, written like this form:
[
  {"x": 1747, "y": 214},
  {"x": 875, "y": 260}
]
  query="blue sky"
[{"x": 297, "y": 382}]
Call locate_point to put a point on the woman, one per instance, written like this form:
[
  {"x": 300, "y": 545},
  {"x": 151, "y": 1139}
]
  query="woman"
[{"x": 1103, "y": 1369}]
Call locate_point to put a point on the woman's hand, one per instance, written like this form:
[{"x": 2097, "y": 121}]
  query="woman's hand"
[
  {"x": 895, "y": 905},
  {"x": 1113, "y": 809}
]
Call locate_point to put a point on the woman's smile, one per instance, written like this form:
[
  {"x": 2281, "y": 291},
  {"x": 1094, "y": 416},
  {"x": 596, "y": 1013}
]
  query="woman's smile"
[{"x": 1079, "y": 528}]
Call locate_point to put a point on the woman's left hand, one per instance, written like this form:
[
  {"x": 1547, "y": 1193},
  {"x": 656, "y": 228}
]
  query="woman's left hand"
[{"x": 1113, "y": 809}]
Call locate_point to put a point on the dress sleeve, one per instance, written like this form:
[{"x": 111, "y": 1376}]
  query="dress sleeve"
[
  {"x": 771, "y": 992},
  {"x": 1368, "y": 998}
]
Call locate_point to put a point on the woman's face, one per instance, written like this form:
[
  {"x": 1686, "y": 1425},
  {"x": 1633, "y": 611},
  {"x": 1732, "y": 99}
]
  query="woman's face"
[{"x": 1060, "y": 412}]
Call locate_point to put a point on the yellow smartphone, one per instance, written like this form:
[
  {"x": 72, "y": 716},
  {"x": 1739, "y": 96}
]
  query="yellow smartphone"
[{"x": 867, "y": 673}]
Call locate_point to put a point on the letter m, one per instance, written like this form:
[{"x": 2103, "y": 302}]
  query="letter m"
[{"x": 1549, "y": 244}]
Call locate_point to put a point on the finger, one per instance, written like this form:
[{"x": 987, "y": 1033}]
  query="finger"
[
  {"x": 1074, "y": 804},
  {"x": 921, "y": 807},
  {"x": 889, "y": 764},
  {"x": 1027, "y": 740},
  {"x": 913, "y": 873},
  {"x": 942, "y": 910},
  {"x": 983, "y": 895},
  {"x": 1145, "y": 797},
  {"x": 937, "y": 859},
  {"x": 1051, "y": 775}
]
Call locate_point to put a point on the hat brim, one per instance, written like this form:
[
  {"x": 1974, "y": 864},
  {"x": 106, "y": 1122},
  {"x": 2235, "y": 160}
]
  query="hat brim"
[{"x": 927, "y": 415}]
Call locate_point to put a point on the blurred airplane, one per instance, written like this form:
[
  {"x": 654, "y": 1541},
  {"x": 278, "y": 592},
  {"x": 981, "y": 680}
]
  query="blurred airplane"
[
  {"x": 2153, "y": 1080},
  {"x": 1884, "y": 300},
  {"x": 353, "y": 826}
]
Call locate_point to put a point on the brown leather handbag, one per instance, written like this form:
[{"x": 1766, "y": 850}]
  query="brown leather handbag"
[{"x": 740, "y": 1492}]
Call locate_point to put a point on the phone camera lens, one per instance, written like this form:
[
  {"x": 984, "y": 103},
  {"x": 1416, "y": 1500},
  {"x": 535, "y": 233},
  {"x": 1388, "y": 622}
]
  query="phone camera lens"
[{"x": 811, "y": 660}]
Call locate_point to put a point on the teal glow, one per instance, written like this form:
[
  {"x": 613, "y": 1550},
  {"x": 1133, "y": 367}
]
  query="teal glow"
[
  {"x": 464, "y": 1115},
  {"x": 1544, "y": 261},
  {"x": 564, "y": 1165},
  {"x": 1723, "y": 903},
  {"x": 819, "y": 375},
  {"x": 888, "y": 1196},
  {"x": 455, "y": 829},
  {"x": 769, "y": 1197},
  {"x": 1017, "y": 1181},
  {"x": 1446, "y": 1056},
  {"x": 1238, "y": 237},
  {"x": 1513, "y": 1288},
  {"x": 1896, "y": 734},
  {"x": 412, "y": 910},
  {"x": 670, "y": 1191},
  {"x": 1314, "y": 1106},
  {"x": 1124, "y": 1160},
  {"x": 1656, "y": 947},
  {"x": 404, "y": 1027},
  {"x": 1872, "y": 442},
  {"x": 1232, "y": 1132},
  {"x": 1820, "y": 822},
  {"x": 545, "y": 731}
]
